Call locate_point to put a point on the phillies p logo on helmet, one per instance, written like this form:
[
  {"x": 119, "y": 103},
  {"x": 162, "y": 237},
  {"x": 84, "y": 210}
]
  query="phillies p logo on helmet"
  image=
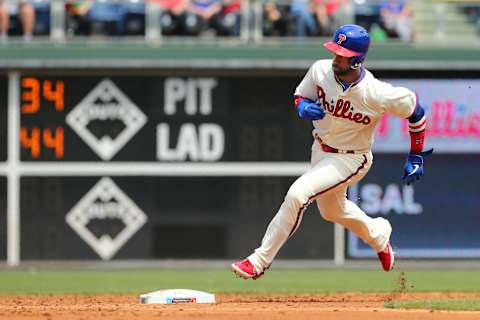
[{"x": 341, "y": 38}]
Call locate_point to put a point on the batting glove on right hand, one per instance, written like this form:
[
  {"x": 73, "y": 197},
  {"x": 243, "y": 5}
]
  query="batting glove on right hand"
[
  {"x": 307, "y": 109},
  {"x": 413, "y": 169}
]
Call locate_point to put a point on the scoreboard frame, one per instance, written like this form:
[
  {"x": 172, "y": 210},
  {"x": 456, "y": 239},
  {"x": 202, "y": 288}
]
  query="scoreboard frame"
[{"x": 25, "y": 150}]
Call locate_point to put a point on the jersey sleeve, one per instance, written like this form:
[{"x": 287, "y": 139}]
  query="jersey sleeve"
[
  {"x": 397, "y": 101},
  {"x": 306, "y": 88}
]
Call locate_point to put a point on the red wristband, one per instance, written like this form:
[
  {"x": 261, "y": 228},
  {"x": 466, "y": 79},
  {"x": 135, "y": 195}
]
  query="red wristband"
[
  {"x": 297, "y": 100},
  {"x": 417, "y": 140}
]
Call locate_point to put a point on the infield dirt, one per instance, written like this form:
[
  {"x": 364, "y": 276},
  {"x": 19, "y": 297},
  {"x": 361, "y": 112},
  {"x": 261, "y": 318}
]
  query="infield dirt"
[{"x": 358, "y": 306}]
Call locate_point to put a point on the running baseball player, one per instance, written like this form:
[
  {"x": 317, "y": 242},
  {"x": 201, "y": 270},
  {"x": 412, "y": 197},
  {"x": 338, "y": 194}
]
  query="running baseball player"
[{"x": 345, "y": 102}]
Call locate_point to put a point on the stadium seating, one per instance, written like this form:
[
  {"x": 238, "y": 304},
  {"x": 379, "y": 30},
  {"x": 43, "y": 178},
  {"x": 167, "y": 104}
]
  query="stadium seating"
[{"x": 128, "y": 18}]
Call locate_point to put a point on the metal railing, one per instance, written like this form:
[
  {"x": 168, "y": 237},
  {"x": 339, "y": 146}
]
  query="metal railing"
[{"x": 251, "y": 20}]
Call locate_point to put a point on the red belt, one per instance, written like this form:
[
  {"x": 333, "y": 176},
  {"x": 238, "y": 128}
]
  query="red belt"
[{"x": 327, "y": 148}]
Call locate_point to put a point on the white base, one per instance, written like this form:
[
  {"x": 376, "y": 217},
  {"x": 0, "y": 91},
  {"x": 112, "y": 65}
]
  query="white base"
[{"x": 175, "y": 296}]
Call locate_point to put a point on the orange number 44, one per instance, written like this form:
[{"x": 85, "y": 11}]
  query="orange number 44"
[{"x": 33, "y": 140}]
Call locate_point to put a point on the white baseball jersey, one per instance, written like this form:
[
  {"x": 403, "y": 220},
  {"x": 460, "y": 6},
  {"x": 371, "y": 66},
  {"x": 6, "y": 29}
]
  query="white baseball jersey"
[{"x": 352, "y": 113}]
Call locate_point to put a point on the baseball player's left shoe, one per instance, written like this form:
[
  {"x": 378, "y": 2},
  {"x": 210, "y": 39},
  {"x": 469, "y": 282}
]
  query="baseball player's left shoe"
[
  {"x": 387, "y": 257},
  {"x": 245, "y": 269}
]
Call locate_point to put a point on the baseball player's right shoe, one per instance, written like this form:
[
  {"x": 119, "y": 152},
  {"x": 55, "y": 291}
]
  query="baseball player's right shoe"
[
  {"x": 387, "y": 257},
  {"x": 245, "y": 269}
]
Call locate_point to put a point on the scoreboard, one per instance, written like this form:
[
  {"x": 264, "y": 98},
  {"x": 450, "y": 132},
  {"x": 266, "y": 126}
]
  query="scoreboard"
[
  {"x": 165, "y": 119},
  {"x": 157, "y": 165},
  {"x": 71, "y": 121}
]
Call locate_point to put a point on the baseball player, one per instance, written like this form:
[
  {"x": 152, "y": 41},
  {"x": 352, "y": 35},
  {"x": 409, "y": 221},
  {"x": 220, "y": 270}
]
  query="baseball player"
[{"x": 345, "y": 102}]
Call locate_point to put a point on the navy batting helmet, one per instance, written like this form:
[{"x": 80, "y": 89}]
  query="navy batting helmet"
[{"x": 350, "y": 41}]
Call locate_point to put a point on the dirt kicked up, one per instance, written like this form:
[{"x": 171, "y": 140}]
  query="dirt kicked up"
[{"x": 356, "y": 306}]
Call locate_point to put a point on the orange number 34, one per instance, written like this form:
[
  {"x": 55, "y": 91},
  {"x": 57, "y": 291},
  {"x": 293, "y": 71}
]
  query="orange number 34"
[{"x": 31, "y": 94}]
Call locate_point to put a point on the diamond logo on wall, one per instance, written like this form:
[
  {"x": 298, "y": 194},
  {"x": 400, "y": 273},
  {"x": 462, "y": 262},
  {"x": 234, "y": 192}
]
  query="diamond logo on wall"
[
  {"x": 106, "y": 218},
  {"x": 106, "y": 119}
]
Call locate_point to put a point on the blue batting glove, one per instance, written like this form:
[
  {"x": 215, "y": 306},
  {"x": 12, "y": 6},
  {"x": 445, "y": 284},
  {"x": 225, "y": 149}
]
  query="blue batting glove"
[
  {"x": 307, "y": 109},
  {"x": 413, "y": 169}
]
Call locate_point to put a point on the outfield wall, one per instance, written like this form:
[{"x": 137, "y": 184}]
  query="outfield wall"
[{"x": 130, "y": 164}]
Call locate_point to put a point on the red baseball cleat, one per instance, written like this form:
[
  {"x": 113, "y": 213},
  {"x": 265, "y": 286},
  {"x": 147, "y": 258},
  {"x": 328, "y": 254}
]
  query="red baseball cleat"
[
  {"x": 245, "y": 269},
  {"x": 387, "y": 257}
]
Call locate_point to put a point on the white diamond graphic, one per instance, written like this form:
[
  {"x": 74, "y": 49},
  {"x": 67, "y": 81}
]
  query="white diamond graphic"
[
  {"x": 106, "y": 102},
  {"x": 106, "y": 200}
]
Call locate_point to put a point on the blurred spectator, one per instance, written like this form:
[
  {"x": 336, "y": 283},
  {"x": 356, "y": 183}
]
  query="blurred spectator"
[
  {"x": 322, "y": 11},
  {"x": 176, "y": 19},
  {"x": 134, "y": 20},
  {"x": 42, "y": 16},
  {"x": 275, "y": 19},
  {"x": 320, "y": 17},
  {"x": 230, "y": 17},
  {"x": 331, "y": 14},
  {"x": 367, "y": 13},
  {"x": 477, "y": 20},
  {"x": 473, "y": 14},
  {"x": 396, "y": 19},
  {"x": 113, "y": 17},
  {"x": 305, "y": 23},
  {"x": 77, "y": 21},
  {"x": 186, "y": 17},
  {"x": 25, "y": 12},
  {"x": 107, "y": 16},
  {"x": 377, "y": 33},
  {"x": 208, "y": 13},
  {"x": 340, "y": 12}
]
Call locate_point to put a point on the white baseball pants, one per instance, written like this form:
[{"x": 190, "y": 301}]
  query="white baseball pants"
[{"x": 326, "y": 182}]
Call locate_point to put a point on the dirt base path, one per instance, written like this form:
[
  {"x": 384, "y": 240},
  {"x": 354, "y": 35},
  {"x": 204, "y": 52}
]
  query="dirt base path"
[{"x": 356, "y": 306}]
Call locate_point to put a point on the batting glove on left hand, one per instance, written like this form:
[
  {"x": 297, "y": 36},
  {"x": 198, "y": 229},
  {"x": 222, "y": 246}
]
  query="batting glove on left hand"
[{"x": 413, "y": 169}]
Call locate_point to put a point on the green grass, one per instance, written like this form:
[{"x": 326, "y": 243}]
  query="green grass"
[
  {"x": 451, "y": 305},
  {"x": 221, "y": 281}
]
